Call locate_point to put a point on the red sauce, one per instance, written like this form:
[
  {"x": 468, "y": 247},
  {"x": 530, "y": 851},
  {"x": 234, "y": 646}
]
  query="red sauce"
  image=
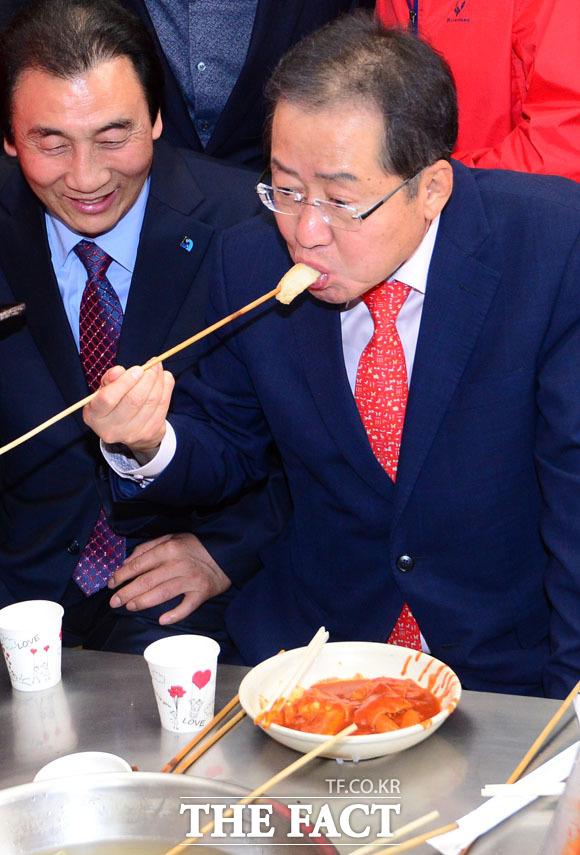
[
  {"x": 572, "y": 847},
  {"x": 377, "y": 705}
]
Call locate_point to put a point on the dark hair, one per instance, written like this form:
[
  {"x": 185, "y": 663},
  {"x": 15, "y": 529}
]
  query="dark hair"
[
  {"x": 66, "y": 38},
  {"x": 353, "y": 59}
]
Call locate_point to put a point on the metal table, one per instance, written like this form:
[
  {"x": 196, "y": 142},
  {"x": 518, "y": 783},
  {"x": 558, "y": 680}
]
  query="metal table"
[{"x": 105, "y": 702}]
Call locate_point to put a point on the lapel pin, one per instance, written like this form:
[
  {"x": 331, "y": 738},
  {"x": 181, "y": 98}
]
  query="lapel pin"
[{"x": 187, "y": 243}]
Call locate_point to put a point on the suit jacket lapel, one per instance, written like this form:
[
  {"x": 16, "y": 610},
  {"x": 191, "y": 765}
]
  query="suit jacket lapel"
[
  {"x": 164, "y": 269},
  {"x": 25, "y": 258},
  {"x": 317, "y": 330},
  {"x": 460, "y": 288}
]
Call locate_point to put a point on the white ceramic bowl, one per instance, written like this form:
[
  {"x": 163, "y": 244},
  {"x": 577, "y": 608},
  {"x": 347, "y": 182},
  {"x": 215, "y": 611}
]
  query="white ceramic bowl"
[{"x": 344, "y": 659}]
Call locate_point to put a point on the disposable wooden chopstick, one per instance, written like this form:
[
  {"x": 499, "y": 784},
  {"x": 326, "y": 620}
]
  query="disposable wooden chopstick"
[
  {"x": 531, "y": 753},
  {"x": 154, "y": 361},
  {"x": 189, "y": 761},
  {"x": 537, "y": 744},
  {"x": 369, "y": 848},
  {"x": 170, "y": 767},
  {"x": 407, "y": 845},
  {"x": 271, "y": 782},
  {"x": 316, "y": 644}
]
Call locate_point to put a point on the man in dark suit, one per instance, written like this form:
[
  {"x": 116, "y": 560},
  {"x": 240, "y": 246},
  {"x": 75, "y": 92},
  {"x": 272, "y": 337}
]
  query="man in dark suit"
[
  {"x": 216, "y": 65},
  {"x": 463, "y": 522},
  {"x": 82, "y": 88}
]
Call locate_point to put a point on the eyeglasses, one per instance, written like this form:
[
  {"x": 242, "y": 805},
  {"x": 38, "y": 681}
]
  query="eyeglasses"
[{"x": 335, "y": 214}]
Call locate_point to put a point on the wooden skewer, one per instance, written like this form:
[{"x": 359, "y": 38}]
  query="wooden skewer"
[
  {"x": 169, "y": 767},
  {"x": 154, "y": 361},
  {"x": 537, "y": 744},
  {"x": 400, "y": 832},
  {"x": 528, "y": 757},
  {"x": 271, "y": 782},
  {"x": 406, "y": 845},
  {"x": 189, "y": 761}
]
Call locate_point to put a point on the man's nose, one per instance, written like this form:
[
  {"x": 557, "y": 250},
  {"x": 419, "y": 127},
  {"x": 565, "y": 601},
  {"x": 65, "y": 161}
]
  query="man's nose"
[
  {"x": 86, "y": 173},
  {"x": 311, "y": 228}
]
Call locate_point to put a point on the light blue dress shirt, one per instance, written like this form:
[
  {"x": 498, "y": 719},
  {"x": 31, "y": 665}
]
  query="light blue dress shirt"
[{"x": 120, "y": 243}]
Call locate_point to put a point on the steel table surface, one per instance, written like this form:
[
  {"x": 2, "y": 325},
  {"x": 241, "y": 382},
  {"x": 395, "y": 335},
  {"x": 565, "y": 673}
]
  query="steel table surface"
[{"x": 105, "y": 702}]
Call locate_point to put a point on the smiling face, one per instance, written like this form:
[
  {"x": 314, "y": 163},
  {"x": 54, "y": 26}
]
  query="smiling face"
[
  {"x": 334, "y": 154},
  {"x": 84, "y": 145}
]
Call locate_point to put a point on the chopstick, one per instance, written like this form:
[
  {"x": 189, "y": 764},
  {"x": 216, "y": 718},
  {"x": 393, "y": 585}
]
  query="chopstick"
[
  {"x": 271, "y": 782},
  {"x": 416, "y": 841},
  {"x": 176, "y": 767},
  {"x": 316, "y": 644},
  {"x": 189, "y": 761},
  {"x": 153, "y": 361},
  {"x": 537, "y": 744},
  {"x": 173, "y": 767},
  {"x": 400, "y": 832},
  {"x": 535, "y": 747}
]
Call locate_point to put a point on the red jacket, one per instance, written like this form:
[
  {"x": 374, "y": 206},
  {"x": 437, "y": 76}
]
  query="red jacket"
[{"x": 516, "y": 65}]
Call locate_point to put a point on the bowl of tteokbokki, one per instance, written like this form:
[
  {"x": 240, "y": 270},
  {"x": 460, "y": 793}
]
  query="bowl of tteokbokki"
[{"x": 397, "y": 697}]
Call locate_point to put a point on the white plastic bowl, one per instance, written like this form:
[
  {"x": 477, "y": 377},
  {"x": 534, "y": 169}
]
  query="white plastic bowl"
[{"x": 344, "y": 660}]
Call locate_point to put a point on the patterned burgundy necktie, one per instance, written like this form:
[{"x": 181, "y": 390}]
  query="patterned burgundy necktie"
[
  {"x": 381, "y": 394},
  {"x": 101, "y": 318}
]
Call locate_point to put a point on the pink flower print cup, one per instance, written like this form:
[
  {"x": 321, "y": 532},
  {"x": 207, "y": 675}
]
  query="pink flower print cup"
[
  {"x": 183, "y": 673},
  {"x": 30, "y": 635}
]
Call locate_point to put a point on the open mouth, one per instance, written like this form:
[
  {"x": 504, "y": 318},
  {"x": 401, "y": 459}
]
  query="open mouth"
[{"x": 320, "y": 283}]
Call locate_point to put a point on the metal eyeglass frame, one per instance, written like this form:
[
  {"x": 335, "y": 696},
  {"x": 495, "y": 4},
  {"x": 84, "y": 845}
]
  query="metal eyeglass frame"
[{"x": 299, "y": 199}]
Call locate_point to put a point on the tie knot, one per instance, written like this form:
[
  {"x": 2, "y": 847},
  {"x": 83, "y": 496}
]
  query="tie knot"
[
  {"x": 384, "y": 301},
  {"x": 95, "y": 259}
]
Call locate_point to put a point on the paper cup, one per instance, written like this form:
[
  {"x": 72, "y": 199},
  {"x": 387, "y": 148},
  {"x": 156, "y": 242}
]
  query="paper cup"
[
  {"x": 183, "y": 671},
  {"x": 30, "y": 635}
]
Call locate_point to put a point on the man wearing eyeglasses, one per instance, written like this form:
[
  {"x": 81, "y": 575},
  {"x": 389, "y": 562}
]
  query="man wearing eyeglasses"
[{"x": 423, "y": 394}]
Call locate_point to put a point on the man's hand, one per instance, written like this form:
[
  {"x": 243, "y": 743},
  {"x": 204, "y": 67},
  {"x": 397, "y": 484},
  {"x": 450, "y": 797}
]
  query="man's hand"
[
  {"x": 131, "y": 406},
  {"x": 164, "y": 568}
]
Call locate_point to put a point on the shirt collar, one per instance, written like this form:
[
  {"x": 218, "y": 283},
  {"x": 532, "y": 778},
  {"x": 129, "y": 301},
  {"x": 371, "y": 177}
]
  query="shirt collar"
[
  {"x": 414, "y": 271},
  {"x": 121, "y": 242}
]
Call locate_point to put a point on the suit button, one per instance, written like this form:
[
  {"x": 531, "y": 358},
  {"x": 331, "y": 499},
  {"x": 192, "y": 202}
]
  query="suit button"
[
  {"x": 74, "y": 547},
  {"x": 102, "y": 472},
  {"x": 405, "y": 563}
]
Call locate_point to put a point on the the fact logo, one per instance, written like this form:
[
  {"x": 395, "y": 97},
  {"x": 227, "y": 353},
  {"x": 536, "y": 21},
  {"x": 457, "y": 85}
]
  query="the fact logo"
[{"x": 332, "y": 817}]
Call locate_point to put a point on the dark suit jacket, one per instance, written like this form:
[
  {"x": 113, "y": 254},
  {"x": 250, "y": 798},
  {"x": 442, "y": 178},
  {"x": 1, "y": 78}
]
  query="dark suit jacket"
[
  {"x": 239, "y": 131},
  {"x": 53, "y": 486},
  {"x": 487, "y": 497}
]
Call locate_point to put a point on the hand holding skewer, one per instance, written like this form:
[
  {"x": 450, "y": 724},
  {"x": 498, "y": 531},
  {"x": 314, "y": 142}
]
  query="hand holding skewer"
[{"x": 292, "y": 283}]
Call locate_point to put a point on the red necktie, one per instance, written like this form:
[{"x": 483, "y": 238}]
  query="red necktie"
[
  {"x": 381, "y": 394},
  {"x": 101, "y": 318}
]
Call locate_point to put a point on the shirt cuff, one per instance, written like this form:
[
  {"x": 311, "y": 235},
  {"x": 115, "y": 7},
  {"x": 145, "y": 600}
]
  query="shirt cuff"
[{"x": 120, "y": 460}]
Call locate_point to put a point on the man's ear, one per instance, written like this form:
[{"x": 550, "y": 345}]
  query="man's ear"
[
  {"x": 157, "y": 126},
  {"x": 9, "y": 148},
  {"x": 436, "y": 186}
]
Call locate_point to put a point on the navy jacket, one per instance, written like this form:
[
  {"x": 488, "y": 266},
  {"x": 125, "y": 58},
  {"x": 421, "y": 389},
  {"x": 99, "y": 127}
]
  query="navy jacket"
[
  {"x": 52, "y": 487},
  {"x": 487, "y": 497}
]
